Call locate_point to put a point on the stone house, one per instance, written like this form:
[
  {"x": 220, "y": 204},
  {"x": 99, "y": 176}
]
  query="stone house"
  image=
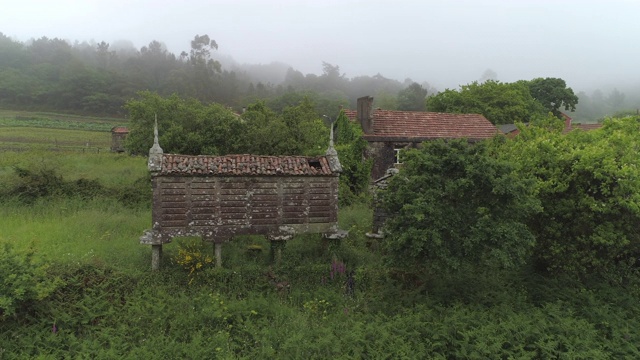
[{"x": 390, "y": 131}]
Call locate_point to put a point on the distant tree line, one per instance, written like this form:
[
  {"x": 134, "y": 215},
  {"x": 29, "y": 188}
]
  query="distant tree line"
[{"x": 98, "y": 78}]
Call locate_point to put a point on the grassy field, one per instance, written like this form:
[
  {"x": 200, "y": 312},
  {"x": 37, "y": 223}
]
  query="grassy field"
[
  {"x": 29, "y": 138},
  {"x": 12, "y": 118},
  {"x": 21, "y": 131}
]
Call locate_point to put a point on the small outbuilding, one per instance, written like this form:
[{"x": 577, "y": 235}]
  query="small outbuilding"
[{"x": 118, "y": 137}]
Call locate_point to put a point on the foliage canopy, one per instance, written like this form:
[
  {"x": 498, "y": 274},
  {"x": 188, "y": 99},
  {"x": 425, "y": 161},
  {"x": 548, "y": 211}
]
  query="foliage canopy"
[
  {"x": 454, "y": 204},
  {"x": 500, "y": 103},
  {"x": 187, "y": 126},
  {"x": 589, "y": 186}
]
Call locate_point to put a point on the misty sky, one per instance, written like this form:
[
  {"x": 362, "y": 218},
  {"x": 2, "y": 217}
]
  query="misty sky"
[{"x": 588, "y": 43}]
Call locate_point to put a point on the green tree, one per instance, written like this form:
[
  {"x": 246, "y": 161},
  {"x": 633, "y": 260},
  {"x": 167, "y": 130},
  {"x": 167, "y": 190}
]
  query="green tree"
[
  {"x": 553, "y": 94},
  {"x": 615, "y": 99},
  {"x": 186, "y": 126},
  {"x": 589, "y": 186},
  {"x": 454, "y": 205},
  {"x": 412, "y": 98},
  {"x": 356, "y": 171},
  {"x": 266, "y": 131},
  {"x": 500, "y": 103},
  {"x": 307, "y": 134}
]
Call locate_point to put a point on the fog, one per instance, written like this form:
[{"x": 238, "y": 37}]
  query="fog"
[{"x": 591, "y": 44}]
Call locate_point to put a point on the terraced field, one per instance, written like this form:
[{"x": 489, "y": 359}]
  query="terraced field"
[{"x": 21, "y": 131}]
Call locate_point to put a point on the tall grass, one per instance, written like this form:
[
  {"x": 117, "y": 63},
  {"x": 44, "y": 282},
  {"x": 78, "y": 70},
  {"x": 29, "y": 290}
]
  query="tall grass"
[
  {"x": 78, "y": 231},
  {"x": 109, "y": 168}
]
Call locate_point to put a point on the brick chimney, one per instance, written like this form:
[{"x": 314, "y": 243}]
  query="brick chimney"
[
  {"x": 365, "y": 113},
  {"x": 567, "y": 121}
]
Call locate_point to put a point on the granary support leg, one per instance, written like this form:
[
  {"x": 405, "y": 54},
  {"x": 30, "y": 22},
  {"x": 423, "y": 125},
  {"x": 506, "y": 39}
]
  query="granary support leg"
[
  {"x": 218, "y": 251},
  {"x": 276, "y": 250},
  {"x": 156, "y": 256}
]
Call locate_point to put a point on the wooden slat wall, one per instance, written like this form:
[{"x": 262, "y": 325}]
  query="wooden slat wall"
[{"x": 225, "y": 206}]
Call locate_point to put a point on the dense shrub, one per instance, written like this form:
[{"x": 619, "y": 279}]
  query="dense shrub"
[
  {"x": 356, "y": 171},
  {"x": 454, "y": 204},
  {"x": 23, "y": 280},
  {"x": 589, "y": 186},
  {"x": 45, "y": 182}
]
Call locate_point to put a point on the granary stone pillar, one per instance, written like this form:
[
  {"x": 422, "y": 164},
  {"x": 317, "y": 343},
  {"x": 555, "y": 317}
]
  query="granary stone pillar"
[
  {"x": 276, "y": 251},
  {"x": 218, "y": 252},
  {"x": 156, "y": 256}
]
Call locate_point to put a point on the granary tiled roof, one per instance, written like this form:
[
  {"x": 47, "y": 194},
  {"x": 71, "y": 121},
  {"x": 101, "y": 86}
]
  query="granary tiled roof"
[
  {"x": 419, "y": 126},
  {"x": 245, "y": 165},
  {"x": 120, "y": 130}
]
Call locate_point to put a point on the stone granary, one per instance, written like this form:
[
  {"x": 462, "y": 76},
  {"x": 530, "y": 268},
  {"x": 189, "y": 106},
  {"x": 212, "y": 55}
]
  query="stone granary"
[
  {"x": 218, "y": 197},
  {"x": 118, "y": 136}
]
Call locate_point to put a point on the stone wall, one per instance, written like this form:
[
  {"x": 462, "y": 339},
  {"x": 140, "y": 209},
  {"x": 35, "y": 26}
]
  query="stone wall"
[{"x": 384, "y": 155}]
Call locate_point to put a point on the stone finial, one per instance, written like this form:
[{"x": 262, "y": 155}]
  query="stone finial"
[
  {"x": 155, "y": 153},
  {"x": 332, "y": 154}
]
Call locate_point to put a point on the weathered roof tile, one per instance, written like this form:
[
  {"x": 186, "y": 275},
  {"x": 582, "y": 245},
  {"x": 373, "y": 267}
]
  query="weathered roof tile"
[
  {"x": 245, "y": 165},
  {"x": 120, "y": 130},
  {"x": 419, "y": 126}
]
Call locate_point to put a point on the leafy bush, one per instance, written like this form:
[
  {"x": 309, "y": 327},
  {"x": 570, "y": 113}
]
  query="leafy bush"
[
  {"x": 192, "y": 256},
  {"x": 356, "y": 171},
  {"x": 589, "y": 186},
  {"x": 137, "y": 194},
  {"x": 45, "y": 182},
  {"x": 23, "y": 280},
  {"x": 455, "y": 204},
  {"x": 42, "y": 182}
]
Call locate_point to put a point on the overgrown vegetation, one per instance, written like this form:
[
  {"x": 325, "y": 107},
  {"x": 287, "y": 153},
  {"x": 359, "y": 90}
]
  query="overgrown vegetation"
[
  {"x": 566, "y": 203},
  {"x": 455, "y": 206},
  {"x": 520, "y": 248}
]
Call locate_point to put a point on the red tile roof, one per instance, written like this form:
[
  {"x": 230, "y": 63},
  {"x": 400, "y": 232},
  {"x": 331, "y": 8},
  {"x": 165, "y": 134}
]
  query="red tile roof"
[
  {"x": 120, "y": 130},
  {"x": 245, "y": 165},
  {"x": 583, "y": 127},
  {"x": 419, "y": 126}
]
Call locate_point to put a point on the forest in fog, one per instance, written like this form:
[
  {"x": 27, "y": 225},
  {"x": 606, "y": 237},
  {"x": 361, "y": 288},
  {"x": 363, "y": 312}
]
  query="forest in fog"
[{"x": 98, "y": 78}]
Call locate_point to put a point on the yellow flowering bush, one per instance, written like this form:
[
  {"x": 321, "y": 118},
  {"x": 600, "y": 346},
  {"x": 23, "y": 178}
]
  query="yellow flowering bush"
[
  {"x": 317, "y": 307},
  {"x": 193, "y": 257}
]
